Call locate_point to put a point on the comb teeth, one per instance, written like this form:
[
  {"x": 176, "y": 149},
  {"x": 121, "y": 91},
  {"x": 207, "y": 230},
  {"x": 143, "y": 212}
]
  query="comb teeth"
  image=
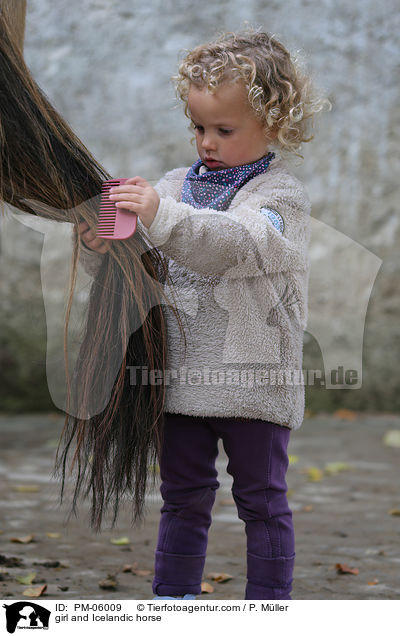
[{"x": 113, "y": 222}]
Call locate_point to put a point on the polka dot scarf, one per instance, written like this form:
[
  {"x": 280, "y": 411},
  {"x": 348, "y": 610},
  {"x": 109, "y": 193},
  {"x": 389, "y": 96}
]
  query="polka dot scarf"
[{"x": 216, "y": 188}]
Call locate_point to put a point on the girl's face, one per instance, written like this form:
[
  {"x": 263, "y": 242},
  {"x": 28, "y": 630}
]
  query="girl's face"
[{"x": 228, "y": 132}]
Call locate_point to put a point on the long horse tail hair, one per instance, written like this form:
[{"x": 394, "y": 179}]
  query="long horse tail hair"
[{"x": 115, "y": 449}]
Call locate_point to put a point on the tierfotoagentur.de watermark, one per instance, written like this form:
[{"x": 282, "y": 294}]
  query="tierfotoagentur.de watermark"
[{"x": 239, "y": 377}]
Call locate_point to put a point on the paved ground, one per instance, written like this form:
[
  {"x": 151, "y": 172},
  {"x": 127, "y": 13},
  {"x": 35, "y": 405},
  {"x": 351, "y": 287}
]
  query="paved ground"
[{"x": 344, "y": 518}]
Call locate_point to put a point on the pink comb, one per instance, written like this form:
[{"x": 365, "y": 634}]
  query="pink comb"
[{"x": 114, "y": 223}]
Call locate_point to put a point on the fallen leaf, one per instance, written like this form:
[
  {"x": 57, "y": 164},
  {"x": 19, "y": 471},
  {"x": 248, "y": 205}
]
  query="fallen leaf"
[
  {"x": 35, "y": 591},
  {"x": 53, "y": 535},
  {"x": 206, "y": 588},
  {"x": 27, "y": 579},
  {"x": 314, "y": 474},
  {"x": 109, "y": 583},
  {"x": 374, "y": 582},
  {"x": 293, "y": 459},
  {"x": 395, "y": 512},
  {"x": 307, "y": 508},
  {"x": 289, "y": 492},
  {"x": 345, "y": 414},
  {"x": 129, "y": 568},
  {"x": 220, "y": 577},
  {"x": 26, "y": 488},
  {"x": 120, "y": 541},
  {"x": 336, "y": 467},
  {"x": 27, "y": 539},
  {"x": 343, "y": 568},
  {"x": 141, "y": 572},
  {"x": 392, "y": 438}
]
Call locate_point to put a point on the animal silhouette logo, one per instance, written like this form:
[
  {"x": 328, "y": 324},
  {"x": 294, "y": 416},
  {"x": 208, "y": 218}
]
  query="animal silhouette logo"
[{"x": 26, "y": 615}]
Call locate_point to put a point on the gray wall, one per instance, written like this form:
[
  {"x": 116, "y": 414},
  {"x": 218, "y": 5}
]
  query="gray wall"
[{"x": 106, "y": 67}]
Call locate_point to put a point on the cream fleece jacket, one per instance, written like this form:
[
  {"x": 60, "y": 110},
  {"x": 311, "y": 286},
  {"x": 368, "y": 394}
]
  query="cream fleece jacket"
[{"x": 241, "y": 289}]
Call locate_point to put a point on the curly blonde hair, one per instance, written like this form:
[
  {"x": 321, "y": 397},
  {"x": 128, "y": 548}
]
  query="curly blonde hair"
[{"x": 279, "y": 92}]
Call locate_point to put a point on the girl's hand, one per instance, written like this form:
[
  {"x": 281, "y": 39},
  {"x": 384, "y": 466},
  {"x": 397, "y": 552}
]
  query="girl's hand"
[
  {"x": 139, "y": 196},
  {"x": 88, "y": 236}
]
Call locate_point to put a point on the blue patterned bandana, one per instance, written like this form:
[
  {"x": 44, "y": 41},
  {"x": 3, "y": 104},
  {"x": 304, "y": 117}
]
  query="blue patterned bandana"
[{"x": 216, "y": 188}]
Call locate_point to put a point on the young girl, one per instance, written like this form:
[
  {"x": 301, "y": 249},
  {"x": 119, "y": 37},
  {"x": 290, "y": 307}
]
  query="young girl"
[{"x": 235, "y": 229}]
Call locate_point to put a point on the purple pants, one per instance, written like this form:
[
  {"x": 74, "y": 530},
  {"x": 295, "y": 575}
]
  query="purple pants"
[{"x": 258, "y": 461}]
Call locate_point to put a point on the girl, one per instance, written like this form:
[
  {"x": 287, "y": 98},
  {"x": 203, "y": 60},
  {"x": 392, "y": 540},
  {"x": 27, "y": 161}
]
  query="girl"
[{"x": 235, "y": 230}]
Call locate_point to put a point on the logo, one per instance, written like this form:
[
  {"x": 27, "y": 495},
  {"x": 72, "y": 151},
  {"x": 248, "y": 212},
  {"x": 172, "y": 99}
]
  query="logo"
[{"x": 26, "y": 615}]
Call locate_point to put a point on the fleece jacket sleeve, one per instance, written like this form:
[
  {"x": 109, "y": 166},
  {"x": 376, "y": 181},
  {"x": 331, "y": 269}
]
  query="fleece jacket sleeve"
[{"x": 212, "y": 242}]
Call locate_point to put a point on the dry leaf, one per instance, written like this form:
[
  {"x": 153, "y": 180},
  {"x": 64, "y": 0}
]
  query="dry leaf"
[
  {"x": 345, "y": 414},
  {"x": 314, "y": 474},
  {"x": 35, "y": 591},
  {"x": 135, "y": 570},
  {"x": 395, "y": 512},
  {"x": 129, "y": 568},
  {"x": 26, "y": 488},
  {"x": 220, "y": 577},
  {"x": 27, "y": 579},
  {"x": 343, "y": 568},
  {"x": 53, "y": 535},
  {"x": 109, "y": 583},
  {"x": 336, "y": 467},
  {"x": 374, "y": 582},
  {"x": 307, "y": 508},
  {"x": 207, "y": 588},
  {"x": 392, "y": 438},
  {"x": 120, "y": 541},
  {"x": 27, "y": 539}
]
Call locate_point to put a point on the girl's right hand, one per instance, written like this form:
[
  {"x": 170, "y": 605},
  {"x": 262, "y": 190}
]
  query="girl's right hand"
[{"x": 94, "y": 243}]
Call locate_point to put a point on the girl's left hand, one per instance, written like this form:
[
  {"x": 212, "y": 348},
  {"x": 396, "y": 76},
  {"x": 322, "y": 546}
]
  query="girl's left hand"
[{"x": 139, "y": 196}]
